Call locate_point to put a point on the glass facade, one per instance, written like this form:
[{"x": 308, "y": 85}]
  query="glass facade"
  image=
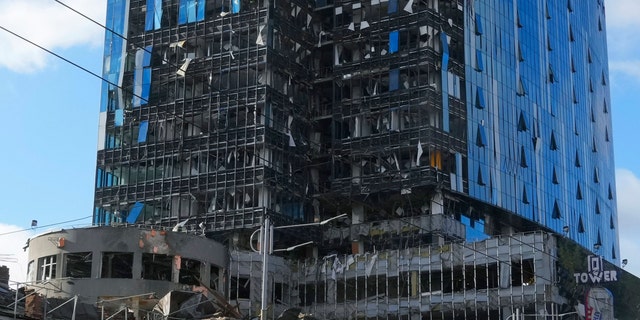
[
  {"x": 541, "y": 116},
  {"x": 218, "y": 113}
]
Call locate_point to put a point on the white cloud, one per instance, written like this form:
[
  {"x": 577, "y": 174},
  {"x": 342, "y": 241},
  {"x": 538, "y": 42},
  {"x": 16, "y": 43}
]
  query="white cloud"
[
  {"x": 50, "y": 25},
  {"x": 625, "y": 68},
  {"x": 15, "y": 257},
  {"x": 623, "y": 42},
  {"x": 628, "y": 199},
  {"x": 622, "y": 13}
]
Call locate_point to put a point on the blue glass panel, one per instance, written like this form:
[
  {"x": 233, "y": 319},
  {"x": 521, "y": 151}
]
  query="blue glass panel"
[
  {"x": 235, "y": 6},
  {"x": 394, "y": 79},
  {"x": 119, "y": 118},
  {"x": 142, "y": 133},
  {"x": 481, "y": 138},
  {"x": 99, "y": 178},
  {"x": 480, "y": 104},
  {"x": 109, "y": 182},
  {"x": 479, "y": 63},
  {"x": 149, "y": 18},
  {"x": 146, "y": 56},
  {"x": 201, "y": 10},
  {"x": 479, "y": 30},
  {"x": 104, "y": 97},
  {"x": 444, "y": 75},
  {"x": 135, "y": 212},
  {"x": 191, "y": 11},
  {"x": 97, "y": 216},
  {"x": 111, "y": 142},
  {"x": 182, "y": 12},
  {"x": 113, "y": 51},
  {"x": 445, "y": 48},
  {"x": 137, "y": 87},
  {"x": 394, "y": 40},
  {"x": 146, "y": 85},
  {"x": 157, "y": 15},
  {"x": 393, "y": 6}
]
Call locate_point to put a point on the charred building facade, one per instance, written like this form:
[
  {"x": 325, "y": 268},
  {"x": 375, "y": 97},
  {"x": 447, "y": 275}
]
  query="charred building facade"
[{"x": 430, "y": 123}]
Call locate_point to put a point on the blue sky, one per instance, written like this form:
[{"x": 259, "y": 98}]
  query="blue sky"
[{"x": 50, "y": 119}]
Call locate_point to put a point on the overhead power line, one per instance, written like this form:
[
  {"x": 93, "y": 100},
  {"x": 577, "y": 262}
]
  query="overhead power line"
[
  {"x": 68, "y": 61},
  {"x": 49, "y": 225}
]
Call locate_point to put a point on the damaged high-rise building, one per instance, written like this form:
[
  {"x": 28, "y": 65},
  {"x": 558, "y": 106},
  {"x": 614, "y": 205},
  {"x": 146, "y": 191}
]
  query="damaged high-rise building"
[{"x": 458, "y": 138}]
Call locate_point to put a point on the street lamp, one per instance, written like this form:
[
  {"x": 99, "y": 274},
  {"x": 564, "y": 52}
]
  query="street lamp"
[{"x": 266, "y": 249}]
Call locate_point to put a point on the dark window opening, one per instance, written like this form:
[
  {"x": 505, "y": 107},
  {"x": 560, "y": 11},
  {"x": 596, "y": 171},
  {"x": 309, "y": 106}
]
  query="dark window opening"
[
  {"x": 580, "y": 225},
  {"x": 480, "y": 178},
  {"x": 156, "y": 266},
  {"x": 78, "y": 265},
  {"x": 310, "y": 294},
  {"x": 571, "y": 37},
  {"x": 279, "y": 292},
  {"x": 117, "y": 265},
  {"x": 556, "y": 210},
  {"x": 240, "y": 288},
  {"x": 486, "y": 277},
  {"x": 611, "y": 224},
  {"x": 523, "y": 158},
  {"x": 522, "y": 122},
  {"x": 189, "y": 271},
  {"x": 214, "y": 278},
  {"x": 579, "y": 192},
  {"x": 522, "y": 273}
]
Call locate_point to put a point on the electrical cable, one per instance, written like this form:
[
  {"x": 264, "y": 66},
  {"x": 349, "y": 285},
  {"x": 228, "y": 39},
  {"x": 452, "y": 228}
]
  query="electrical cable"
[
  {"x": 67, "y": 60},
  {"x": 45, "y": 226}
]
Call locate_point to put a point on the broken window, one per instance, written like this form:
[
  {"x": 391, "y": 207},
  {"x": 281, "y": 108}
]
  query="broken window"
[
  {"x": 156, "y": 266},
  {"x": 522, "y": 273},
  {"x": 214, "y": 278},
  {"x": 142, "y": 76},
  {"x": 313, "y": 293},
  {"x": 240, "y": 288},
  {"x": 279, "y": 292},
  {"x": 189, "y": 272},
  {"x": 47, "y": 267},
  {"x": 191, "y": 11},
  {"x": 153, "y": 17},
  {"x": 78, "y": 265},
  {"x": 117, "y": 265}
]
